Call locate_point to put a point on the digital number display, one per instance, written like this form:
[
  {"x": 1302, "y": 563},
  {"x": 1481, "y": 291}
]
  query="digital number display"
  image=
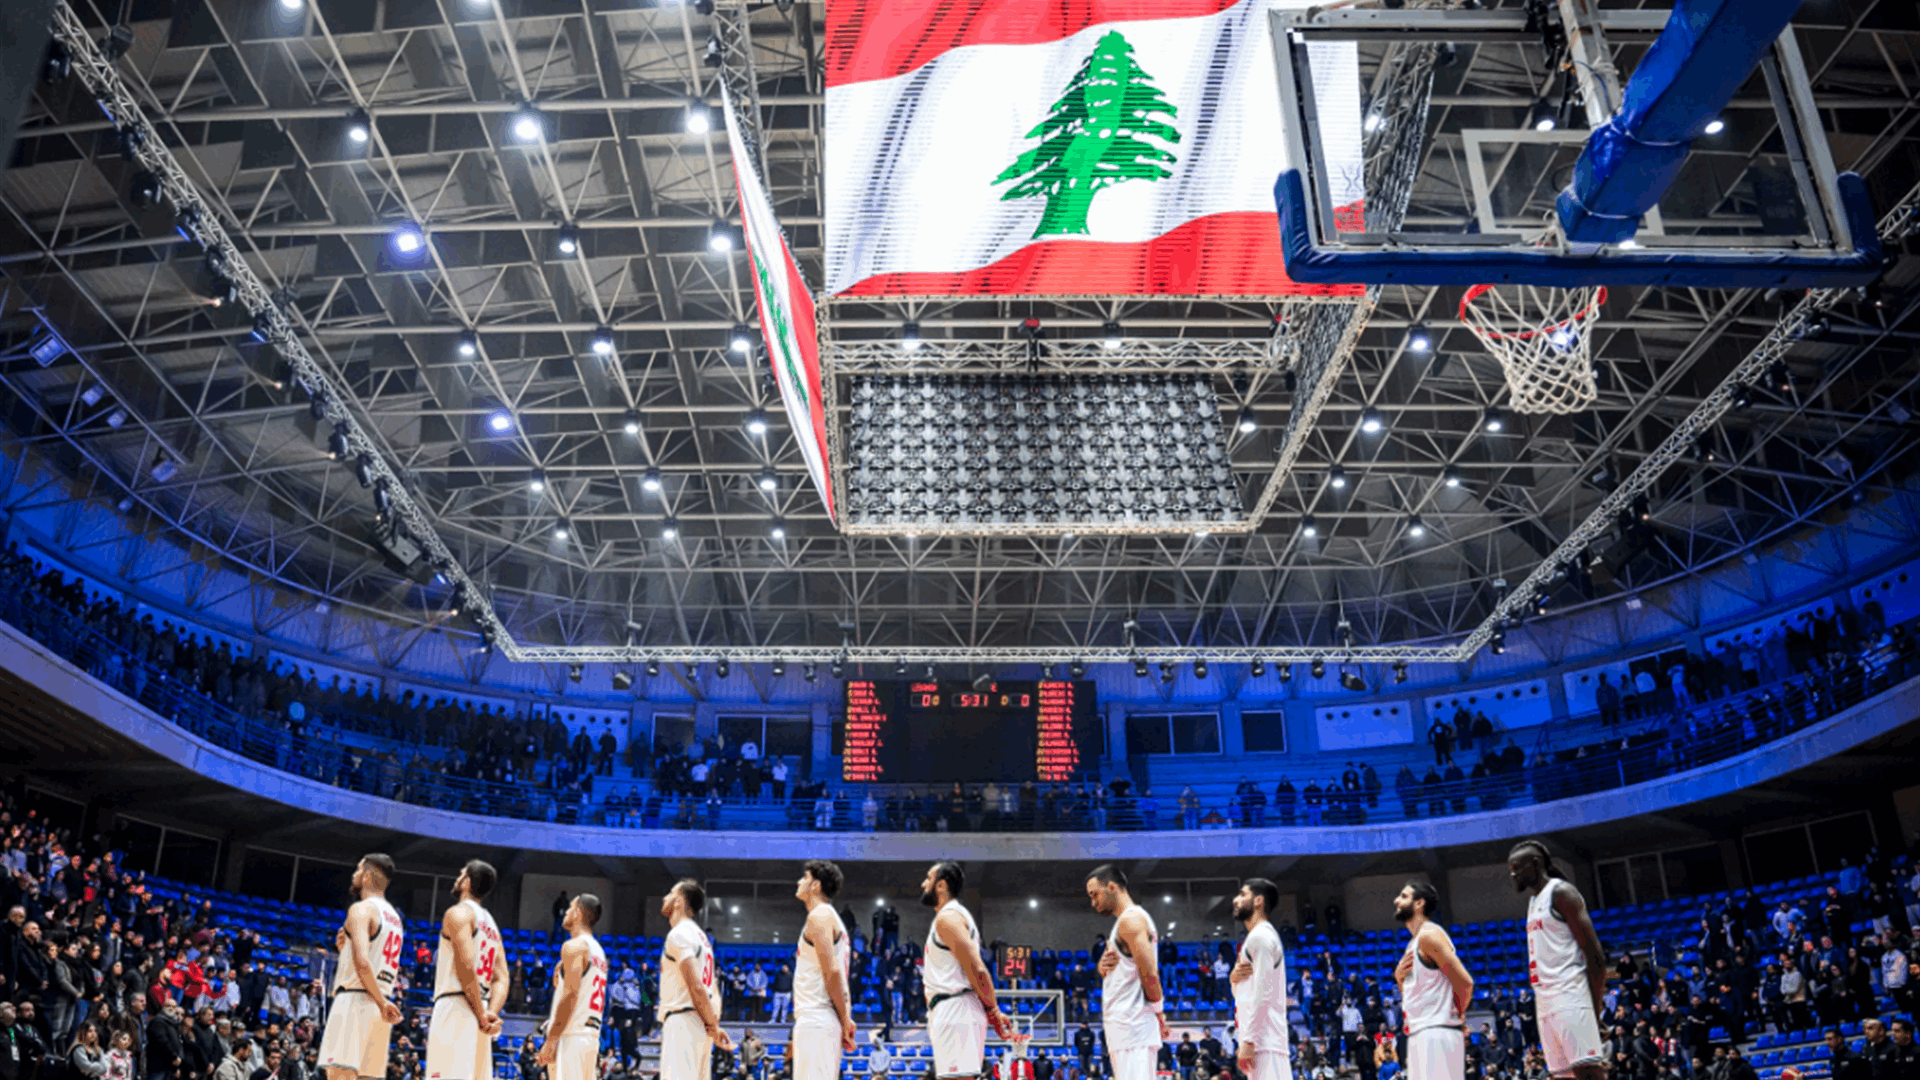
[{"x": 930, "y": 732}]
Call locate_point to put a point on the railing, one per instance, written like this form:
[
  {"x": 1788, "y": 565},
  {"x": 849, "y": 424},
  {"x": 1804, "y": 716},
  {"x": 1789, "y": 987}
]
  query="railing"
[{"x": 1707, "y": 732}]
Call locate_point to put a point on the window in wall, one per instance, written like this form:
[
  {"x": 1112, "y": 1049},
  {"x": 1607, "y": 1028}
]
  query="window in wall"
[
  {"x": 671, "y": 733},
  {"x": 189, "y": 858},
  {"x": 1615, "y": 891},
  {"x": 776, "y": 736},
  {"x": 837, "y": 741},
  {"x": 1695, "y": 870},
  {"x": 1264, "y": 732},
  {"x": 141, "y": 842},
  {"x": 1176, "y": 733},
  {"x": 268, "y": 874},
  {"x": 1648, "y": 884},
  {"x": 1663, "y": 875},
  {"x": 322, "y": 883},
  {"x": 1778, "y": 855},
  {"x": 1813, "y": 848},
  {"x": 1846, "y": 837}
]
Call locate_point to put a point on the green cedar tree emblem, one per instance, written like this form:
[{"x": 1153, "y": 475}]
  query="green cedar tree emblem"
[
  {"x": 777, "y": 312},
  {"x": 1092, "y": 138}
]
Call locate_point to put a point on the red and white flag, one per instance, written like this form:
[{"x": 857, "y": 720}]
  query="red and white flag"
[{"x": 1066, "y": 147}]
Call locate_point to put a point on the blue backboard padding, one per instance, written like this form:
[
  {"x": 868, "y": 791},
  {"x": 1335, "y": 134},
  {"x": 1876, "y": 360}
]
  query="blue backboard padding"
[
  {"x": 1707, "y": 49},
  {"x": 1702, "y": 268}
]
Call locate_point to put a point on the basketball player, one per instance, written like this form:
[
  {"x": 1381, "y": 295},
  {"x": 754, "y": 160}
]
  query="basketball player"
[
  {"x": 960, "y": 1002},
  {"x": 1260, "y": 986},
  {"x": 1564, "y": 962},
  {"x": 823, "y": 1026},
  {"x": 1435, "y": 989},
  {"x": 689, "y": 997},
  {"x": 361, "y": 1017},
  {"x": 470, "y": 981},
  {"x": 572, "y": 1049},
  {"x": 1132, "y": 1010}
]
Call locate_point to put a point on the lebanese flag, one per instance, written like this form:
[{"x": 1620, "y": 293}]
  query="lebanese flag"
[{"x": 1067, "y": 147}]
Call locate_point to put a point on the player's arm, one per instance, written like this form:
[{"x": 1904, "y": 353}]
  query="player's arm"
[
  {"x": 1572, "y": 909},
  {"x": 1437, "y": 946},
  {"x": 1262, "y": 971},
  {"x": 953, "y": 934},
  {"x": 497, "y": 996},
  {"x": 571, "y": 956},
  {"x": 360, "y": 917},
  {"x": 702, "y": 1003},
  {"x": 456, "y": 926},
  {"x": 1147, "y": 959},
  {"x": 820, "y": 932}
]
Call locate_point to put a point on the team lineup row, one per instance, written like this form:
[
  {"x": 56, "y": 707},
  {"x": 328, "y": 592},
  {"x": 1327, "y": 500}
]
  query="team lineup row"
[{"x": 1567, "y": 968}]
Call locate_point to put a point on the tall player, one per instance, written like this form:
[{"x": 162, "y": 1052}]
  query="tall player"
[
  {"x": 1564, "y": 962},
  {"x": 572, "y": 1049},
  {"x": 1132, "y": 1008},
  {"x": 361, "y": 1018},
  {"x": 470, "y": 982},
  {"x": 823, "y": 1026},
  {"x": 1435, "y": 989},
  {"x": 960, "y": 1002},
  {"x": 1260, "y": 986},
  {"x": 689, "y": 997}
]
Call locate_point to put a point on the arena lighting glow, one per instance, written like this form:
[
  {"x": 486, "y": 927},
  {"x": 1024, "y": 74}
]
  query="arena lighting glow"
[
  {"x": 337, "y": 447},
  {"x": 777, "y": 529},
  {"x": 537, "y": 480},
  {"x": 699, "y": 118},
  {"x": 653, "y": 669},
  {"x": 560, "y": 531},
  {"x": 1110, "y": 338},
  {"x": 359, "y": 126},
  {"x": 293, "y": 5},
  {"x": 1336, "y": 477},
  {"x": 721, "y": 669},
  {"x": 910, "y": 337},
  {"x": 1495, "y": 420},
  {"x": 1317, "y": 669},
  {"x": 468, "y": 344},
  {"x": 500, "y": 421},
  {"x": 769, "y": 480},
  {"x": 601, "y": 341},
  {"x": 1716, "y": 125},
  {"x": 1450, "y": 476},
  {"x": 1419, "y": 338},
  {"x": 650, "y": 482},
  {"x": 1374, "y": 122},
  {"x": 568, "y": 241},
  {"x": 1246, "y": 423},
  {"x": 741, "y": 340},
  {"x": 1544, "y": 116},
  {"x": 630, "y": 422},
  {"x": 719, "y": 237},
  {"x": 1258, "y": 668},
  {"x": 669, "y": 530},
  {"x": 526, "y": 124},
  {"x": 1415, "y": 527},
  {"x": 756, "y": 421},
  {"x": 1371, "y": 421},
  {"x": 408, "y": 239}
]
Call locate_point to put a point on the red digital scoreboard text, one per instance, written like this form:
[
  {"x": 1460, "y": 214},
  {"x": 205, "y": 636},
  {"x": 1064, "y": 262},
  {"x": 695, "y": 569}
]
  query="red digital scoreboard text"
[
  {"x": 1056, "y": 751},
  {"x": 866, "y": 733}
]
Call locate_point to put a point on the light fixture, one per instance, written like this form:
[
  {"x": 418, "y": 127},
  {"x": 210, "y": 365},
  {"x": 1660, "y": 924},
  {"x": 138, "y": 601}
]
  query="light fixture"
[
  {"x": 1246, "y": 423},
  {"x": 1258, "y": 668},
  {"x": 1199, "y": 669},
  {"x": 468, "y": 344},
  {"x": 1032, "y": 903},
  {"x": 1415, "y": 527},
  {"x": 1317, "y": 669},
  {"x": 1374, "y": 122},
  {"x": 769, "y": 480},
  {"x": 715, "y": 55},
  {"x": 653, "y": 669},
  {"x": 575, "y": 671},
  {"x": 408, "y": 239},
  {"x": 359, "y": 126},
  {"x": 650, "y": 481},
  {"x": 1166, "y": 671},
  {"x": 741, "y": 340},
  {"x": 601, "y": 341},
  {"x": 1494, "y": 420},
  {"x": 622, "y": 680},
  {"x": 263, "y": 327},
  {"x": 1399, "y": 671},
  {"x": 1139, "y": 668},
  {"x": 187, "y": 224},
  {"x": 1545, "y": 116},
  {"x": 382, "y": 496},
  {"x": 537, "y": 480},
  {"x": 1743, "y": 396},
  {"x": 293, "y": 5},
  {"x": 1284, "y": 673},
  {"x": 1308, "y": 528},
  {"x": 721, "y": 669},
  {"x": 568, "y": 241},
  {"x": 777, "y": 529},
  {"x": 756, "y": 421},
  {"x": 363, "y": 470},
  {"x": 1351, "y": 680},
  {"x": 1371, "y": 421},
  {"x": 1498, "y": 643},
  {"x": 1780, "y": 377},
  {"x": 144, "y": 190},
  {"x": 1716, "y": 125},
  {"x": 1540, "y": 604},
  {"x": 811, "y": 671},
  {"x": 910, "y": 337},
  {"x": 526, "y": 125},
  {"x": 1642, "y": 508},
  {"x": 719, "y": 237},
  {"x": 1336, "y": 477},
  {"x": 838, "y": 668},
  {"x": 669, "y": 530},
  {"x": 91, "y": 395},
  {"x": 1703, "y": 451},
  {"x": 501, "y": 421},
  {"x": 630, "y": 422},
  {"x": 699, "y": 118},
  {"x": 117, "y": 418},
  {"x": 1419, "y": 338},
  {"x": 1110, "y": 339},
  {"x": 1450, "y": 476},
  {"x": 59, "y": 62},
  {"x": 337, "y": 445}
]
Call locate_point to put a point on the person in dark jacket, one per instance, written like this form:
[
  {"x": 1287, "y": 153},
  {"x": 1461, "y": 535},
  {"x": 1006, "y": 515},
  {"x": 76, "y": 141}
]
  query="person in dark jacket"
[{"x": 166, "y": 1051}]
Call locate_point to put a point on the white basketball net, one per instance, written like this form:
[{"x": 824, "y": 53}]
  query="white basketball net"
[{"x": 1543, "y": 339}]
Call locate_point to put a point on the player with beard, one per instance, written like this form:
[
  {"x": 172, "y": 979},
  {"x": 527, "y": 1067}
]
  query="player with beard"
[
  {"x": 1435, "y": 989},
  {"x": 960, "y": 1002},
  {"x": 823, "y": 1027},
  {"x": 1260, "y": 986},
  {"x": 470, "y": 982},
  {"x": 1132, "y": 1005},
  {"x": 1565, "y": 963},
  {"x": 360, "y": 1020},
  {"x": 689, "y": 1005},
  {"x": 572, "y": 1047}
]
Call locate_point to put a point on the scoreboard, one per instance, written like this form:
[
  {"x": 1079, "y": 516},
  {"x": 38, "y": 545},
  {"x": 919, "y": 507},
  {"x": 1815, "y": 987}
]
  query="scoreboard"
[{"x": 938, "y": 732}]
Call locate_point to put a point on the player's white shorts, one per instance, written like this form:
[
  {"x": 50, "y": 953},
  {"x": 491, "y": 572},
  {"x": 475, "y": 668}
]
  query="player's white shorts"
[
  {"x": 1271, "y": 1065},
  {"x": 686, "y": 1053},
  {"x": 1437, "y": 1053},
  {"x": 816, "y": 1045},
  {"x": 356, "y": 1037},
  {"x": 577, "y": 1057},
  {"x": 456, "y": 1050},
  {"x": 1570, "y": 1035},
  {"x": 957, "y": 1027},
  {"x": 1135, "y": 1062}
]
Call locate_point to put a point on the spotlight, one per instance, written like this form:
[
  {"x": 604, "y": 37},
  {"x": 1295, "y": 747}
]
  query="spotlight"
[
  {"x": 653, "y": 669},
  {"x": 777, "y": 529},
  {"x": 1544, "y": 117},
  {"x": 1415, "y": 527},
  {"x": 837, "y": 669},
  {"x": 574, "y": 671},
  {"x": 1494, "y": 421},
  {"x": 1419, "y": 338},
  {"x": 187, "y": 224},
  {"x": 601, "y": 341},
  {"x": 650, "y": 482},
  {"x": 756, "y": 421},
  {"x": 1703, "y": 451},
  {"x": 560, "y": 530},
  {"x": 900, "y": 669},
  {"x": 382, "y": 497},
  {"x": 741, "y": 340},
  {"x": 1371, "y": 421},
  {"x": 501, "y": 421},
  {"x": 568, "y": 241},
  {"x": 359, "y": 126},
  {"x": 1780, "y": 377},
  {"x": 467, "y": 344},
  {"x": 1642, "y": 508},
  {"x": 408, "y": 239},
  {"x": 537, "y": 480},
  {"x": 1308, "y": 528},
  {"x": 1336, "y": 477},
  {"x": 721, "y": 669},
  {"x": 715, "y": 55},
  {"x": 769, "y": 480},
  {"x": 699, "y": 119},
  {"x": 1498, "y": 643},
  {"x": 809, "y": 671},
  {"x": 1399, "y": 671},
  {"x": 144, "y": 190},
  {"x": 337, "y": 443},
  {"x": 630, "y": 422},
  {"x": 669, "y": 530},
  {"x": 622, "y": 681},
  {"x": 317, "y": 406},
  {"x": 1140, "y": 669},
  {"x": 1246, "y": 423},
  {"x": 59, "y": 62},
  {"x": 1351, "y": 680},
  {"x": 719, "y": 237},
  {"x": 1540, "y": 604},
  {"x": 293, "y": 5},
  {"x": 263, "y": 327},
  {"x": 1258, "y": 668},
  {"x": 1450, "y": 476},
  {"x": 1284, "y": 672},
  {"x": 779, "y": 669},
  {"x": 1317, "y": 669},
  {"x": 117, "y": 419},
  {"x": 1374, "y": 122},
  {"x": 981, "y": 682},
  {"x": 91, "y": 395},
  {"x": 129, "y": 140},
  {"x": 526, "y": 125},
  {"x": 1166, "y": 672},
  {"x": 1077, "y": 670},
  {"x": 1716, "y": 125},
  {"x": 910, "y": 337},
  {"x": 363, "y": 470},
  {"x": 1110, "y": 339},
  {"x": 1199, "y": 669}
]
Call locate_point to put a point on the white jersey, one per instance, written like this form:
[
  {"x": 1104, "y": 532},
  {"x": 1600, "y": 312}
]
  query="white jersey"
[
  {"x": 941, "y": 974},
  {"x": 487, "y": 955},
  {"x": 1260, "y": 1000},
  {"x": 383, "y": 949},
  {"x": 1555, "y": 965},
  {"x": 809, "y": 981},
  {"x": 1426, "y": 997},
  {"x": 589, "y": 1002},
  {"x": 1124, "y": 1014},
  {"x": 683, "y": 941}
]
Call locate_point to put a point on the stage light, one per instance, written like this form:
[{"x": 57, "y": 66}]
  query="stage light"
[
  {"x": 669, "y": 530},
  {"x": 699, "y": 119},
  {"x": 1498, "y": 643},
  {"x": 715, "y": 55},
  {"x": 809, "y": 671},
  {"x": 144, "y": 190},
  {"x": 1540, "y": 604},
  {"x": 601, "y": 341},
  {"x": 1642, "y": 508},
  {"x": 1317, "y": 669},
  {"x": 721, "y": 669},
  {"x": 630, "y": 422},
  {"x": 1140, "y": 669},
  {"x": 1419, "y": 339},
  {"x": 1374, "y": 122},
  {"x": 1399, "y": 671},
  {"x": 91, "y": 395},
  {"x": 1780, "y": 377},
  {"x": 58, "y": 64},
  {"x": 317, "y": 406},
  {"x": 777, "y": 529},
  {"x": 756, "y": 421},
  {"x": 537, "y": 480},
  {"x": 363, "y": 470},
  {"x": 1110, "y": 338},
  {"x": 719, "y": 237},
  {"x": 741, "y": 340},
  {"x": 1415, "y": 527},
  {"x": 910, "y": 337},
  {"x": 1199, "y": 669},
  {"x": 1283, "y": 672},
  {"x": 1246, "y": 423},
  {"x": 568, "y": 242},
  {"x": 837, "y": 669},
  {"x": 560, "y": 530},
  {"x": 129, "y": 140},
  {"x": 1308, "y": 528},
  {"x": 1351, "y": 680},
  {"x": 1703, "y": 451},
  {"x": 337, "y": 446},
  {"x": 263, "y": 327},
  {"x": 359, "y": 126},
  {"x": 779, "y": 668},
  {"x": 1494, "y": 420},
  {"x": 1258, "y": 668},
  {"x": 1371, "y": 421},
  {"x": 467, "y": 344},
  {"x": 1716, "y": 125},
  {"x": 1544, "y": 117},
  {"x": 382, "y": 497},
  {"x": 1450, "y": 476},
  {"x": 117, "y": 418},
  {"x": 622, "y": 681},
  {"x": 1166, "y": 672},
  {"x": 575, "y": 671},
  {"x": 527, "y": 125},
  {"x": 653, "y": 669},
  {"x": 1077, "y": 670},
  {"x": 501, "y": 421},
  {"x": 408, "y": 239},
  {"x": 650, "y": 481},
  {"x": 187, "y": 224},
  {"x": 769, "y": 480},
  {"x": 1336, "y": 477}
]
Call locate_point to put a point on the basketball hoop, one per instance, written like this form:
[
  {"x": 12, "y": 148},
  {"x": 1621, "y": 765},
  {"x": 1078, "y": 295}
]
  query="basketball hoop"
[{"x": 1542, "y": 338}]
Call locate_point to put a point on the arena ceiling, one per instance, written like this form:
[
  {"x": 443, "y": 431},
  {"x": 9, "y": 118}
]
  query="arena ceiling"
[{"x": 254, "y": 98}]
